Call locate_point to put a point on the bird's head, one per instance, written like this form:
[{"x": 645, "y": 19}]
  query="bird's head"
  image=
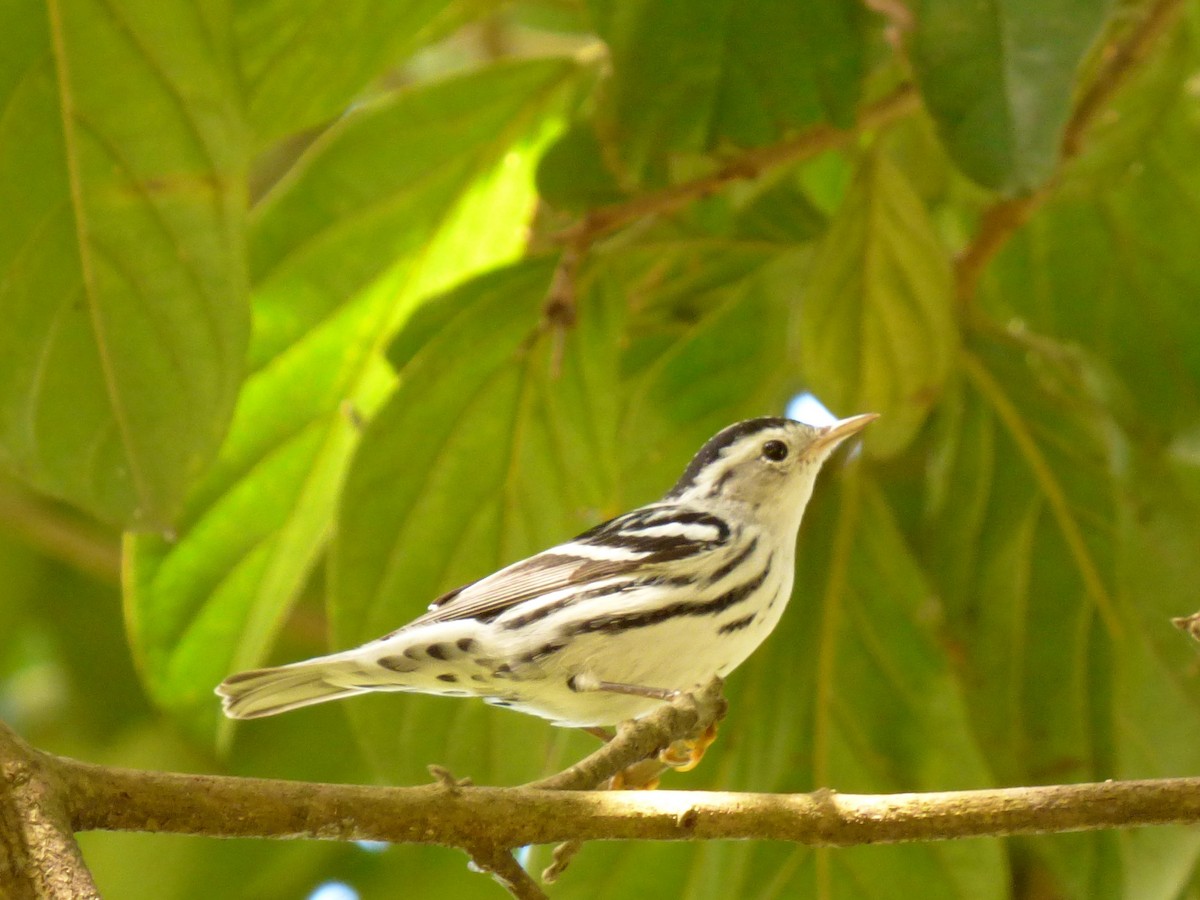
[{"x": 770, "y": 464}]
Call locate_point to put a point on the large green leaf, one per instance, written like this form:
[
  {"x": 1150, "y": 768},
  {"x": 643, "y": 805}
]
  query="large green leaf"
[
  {"x": 1156, "y": 678},
  {"x": 1115, "y": 271},
  {"x": 303, "y": 63},
  {"x": 690, "y": 76},
  {"x": 459, "y": 475},
  {"x": 707, "y": 347},
  {"x": 1023, "y": 544},
  {"x": 876, "y": 328},
  {"x": 341, "y": 280},
  {"x": 999, "y": 76},
  {"x": 122, "y": 271}
]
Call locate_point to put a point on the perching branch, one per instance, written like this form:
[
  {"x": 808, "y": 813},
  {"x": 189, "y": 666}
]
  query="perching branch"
[
  {"x": 641, "y": 739},
  {"x": 43, "y": 793}
]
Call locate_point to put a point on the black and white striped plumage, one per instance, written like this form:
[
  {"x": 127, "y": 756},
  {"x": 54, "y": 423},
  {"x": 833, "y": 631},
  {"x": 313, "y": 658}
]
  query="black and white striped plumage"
[{"x": 663, "y": 597}]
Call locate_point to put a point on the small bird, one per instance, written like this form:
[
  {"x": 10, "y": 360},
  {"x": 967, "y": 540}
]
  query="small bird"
[{"x": 606, "y": 626}]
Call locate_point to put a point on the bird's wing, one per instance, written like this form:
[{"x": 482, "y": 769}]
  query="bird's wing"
[{"x": 634, "y": 544}]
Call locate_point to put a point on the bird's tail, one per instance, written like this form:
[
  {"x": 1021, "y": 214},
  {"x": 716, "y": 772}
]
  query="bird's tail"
[{"x": 265, "y": 692}]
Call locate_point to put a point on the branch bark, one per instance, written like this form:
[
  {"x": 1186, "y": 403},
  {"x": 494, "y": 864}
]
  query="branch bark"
[
  {"x": 51, "y": 796},
  {"x": 38, "y": 853},
  {"x": 606, "y": 219},
  {"x": 219, "y": 806}
]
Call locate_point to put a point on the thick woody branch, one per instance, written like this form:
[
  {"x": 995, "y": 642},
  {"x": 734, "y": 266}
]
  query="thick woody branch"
[
  {"x": 102, "y": 797},
  {"x": 126, "y": 800},
  {"x": 38, "y": 854}
]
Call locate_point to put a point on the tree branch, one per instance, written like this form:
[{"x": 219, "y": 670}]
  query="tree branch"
[
  {"x": 603, "y": 221},
  {"x": 1004, "y": 218},
  {"x": 38, "y": 854},
  {"x": 126, "y": 800},
  {"x": 642, "y": 739},
  {"x": 104, "y": 797},
  {"x": 607, "y": 219}
]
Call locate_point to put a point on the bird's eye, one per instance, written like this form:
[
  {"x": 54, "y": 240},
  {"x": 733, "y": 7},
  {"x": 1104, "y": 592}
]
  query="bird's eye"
[{"x": 775, "y": 450}]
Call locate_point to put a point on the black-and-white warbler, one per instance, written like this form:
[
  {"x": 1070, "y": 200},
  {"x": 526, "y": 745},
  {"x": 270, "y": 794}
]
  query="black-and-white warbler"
[{"x": 602, "y": 628}]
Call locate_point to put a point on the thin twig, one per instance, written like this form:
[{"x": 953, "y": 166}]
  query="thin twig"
[
  {"x": 563, "y": 854},
  {"x": 500, "y": 864},
  {"x": 607, "y": 219},
  {"x": 1119, "y": 64},
  {"x": 603, "y": 221},
  {"x": 1003, "y": 219}
]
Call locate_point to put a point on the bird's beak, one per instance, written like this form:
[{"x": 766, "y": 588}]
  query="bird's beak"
[{"x": 832, "y": 435}]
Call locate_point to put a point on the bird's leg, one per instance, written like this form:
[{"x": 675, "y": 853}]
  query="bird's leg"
[
  {"x": 598, "y": 732},
  {"x": 581, "y": 683}
]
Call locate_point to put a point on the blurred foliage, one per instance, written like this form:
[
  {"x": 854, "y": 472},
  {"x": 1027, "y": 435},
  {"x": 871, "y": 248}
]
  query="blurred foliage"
[{"x": 273, "y": 279}]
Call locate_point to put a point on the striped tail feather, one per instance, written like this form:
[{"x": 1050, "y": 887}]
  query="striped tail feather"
[{"x": 265, "y": 692}]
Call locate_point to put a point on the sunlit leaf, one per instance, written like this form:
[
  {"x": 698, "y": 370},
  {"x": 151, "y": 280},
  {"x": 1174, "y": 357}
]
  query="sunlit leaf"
[
  {"x": 212, "y": 601},
  {"x": 458, "y": 476}
]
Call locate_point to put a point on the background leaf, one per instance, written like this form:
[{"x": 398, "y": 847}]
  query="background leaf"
[
  {"x": 124, "y": 272},
  {"x": 998, "y": 77},
  {"x": 688, "y": 77},
  {"x": 740, "y": 228},
  {"x": 876, "y": 334},
  {"x": 304, "y": 63},
  {"x": 213, "y": 600},
  {"x": 513, "y": 456}
]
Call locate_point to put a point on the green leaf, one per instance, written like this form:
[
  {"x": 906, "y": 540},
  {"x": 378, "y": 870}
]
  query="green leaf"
[
  {"x": 1022, "y": 542},
  {"x": 1117, "y": 274},
  {"x": 876, "y": 328},
  {"x": 303, "y": 63},
  {"x": 574, "y": 175},
  {"x": 212, "y": 601},
  {"x": 783, "y": 214},
  {"x": 1157, "y": 681},
  {"x": 459, "y": 476},
  {"x": 690, "y": 76},
  {"x": 705, "y": 350},
  {"x": 998, "y": 77},
  {"x": 122, "y": 271},
  {"x": 871, "y": 702}
]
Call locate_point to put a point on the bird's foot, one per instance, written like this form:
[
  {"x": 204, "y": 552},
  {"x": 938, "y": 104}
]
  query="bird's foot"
[{"x": 684, "y": 755}]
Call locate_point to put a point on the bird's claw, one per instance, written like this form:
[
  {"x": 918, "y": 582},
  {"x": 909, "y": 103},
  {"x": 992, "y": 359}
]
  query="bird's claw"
[{"x": 684, "y": 755}]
